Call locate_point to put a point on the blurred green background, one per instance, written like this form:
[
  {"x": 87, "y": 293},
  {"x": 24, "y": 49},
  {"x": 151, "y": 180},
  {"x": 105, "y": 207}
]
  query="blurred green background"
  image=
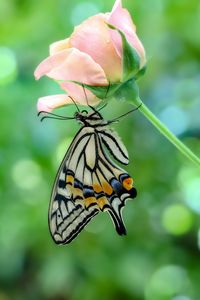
[{"x": 159, "y": 259}]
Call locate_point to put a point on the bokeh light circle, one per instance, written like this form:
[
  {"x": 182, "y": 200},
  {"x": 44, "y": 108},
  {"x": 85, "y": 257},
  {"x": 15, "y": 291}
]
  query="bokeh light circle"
[
  {"x": 8, "y": 63},
  {"x": 181, "y": 297},
  {"x": 175, "y": 119},
  {"x": 177, "y": 219},
  {"x": 189, "y": 183},
  {"x": 167, "y": 282},
  {"x": 26, "y": 174}
]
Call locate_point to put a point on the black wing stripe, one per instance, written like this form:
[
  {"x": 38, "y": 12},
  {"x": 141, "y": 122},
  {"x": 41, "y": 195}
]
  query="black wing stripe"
[
  {"x": 119, "y": 224},
  {"x": 75, "y": 227},
  {"x": 104, "y": 155},
  {"x": 60, "y": 197},
  {"x": 77, "y": 152},
  {"x": 114, "y": 144},
  {"x": 61, "y": 183},
  {"x": 72, "y": 223},
  {"x": 114, "y": 152},
  {"x": 82, "y": 224}
]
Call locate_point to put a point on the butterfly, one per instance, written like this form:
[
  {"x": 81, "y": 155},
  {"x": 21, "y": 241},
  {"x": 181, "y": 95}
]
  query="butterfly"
[{"x": 88, "y": 181}]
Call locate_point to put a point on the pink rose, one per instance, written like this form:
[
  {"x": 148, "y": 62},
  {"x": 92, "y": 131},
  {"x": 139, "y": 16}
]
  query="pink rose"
[{"x": 92, "y": 55}]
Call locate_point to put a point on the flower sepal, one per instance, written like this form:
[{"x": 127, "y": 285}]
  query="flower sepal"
[
  {"x": 140, "y": 73},
  {"x": 102, "y": 92},
  {"x": 128, "y": 91}
]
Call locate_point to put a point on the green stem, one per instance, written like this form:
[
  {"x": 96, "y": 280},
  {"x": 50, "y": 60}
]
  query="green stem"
[{"x": 166, "y": 132}]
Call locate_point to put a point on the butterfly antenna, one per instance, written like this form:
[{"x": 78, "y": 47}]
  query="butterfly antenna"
[
  {"x": 56, "y": 118},
  {"x": 104, "y": 105},
  {"x": 116, "y": 119},
  {"x": 87, "y": 99},
  {"x": 85, "y": 95},
  {"x": 51, "y": 114},
  {"x": 74, "y": 103},
  {"x": 107, "y": 90}
]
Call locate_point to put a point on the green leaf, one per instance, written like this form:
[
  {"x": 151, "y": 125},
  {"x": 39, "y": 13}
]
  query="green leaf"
[
  {"x": 130, "y": 58},
  {"x": 101, "y": 92}
]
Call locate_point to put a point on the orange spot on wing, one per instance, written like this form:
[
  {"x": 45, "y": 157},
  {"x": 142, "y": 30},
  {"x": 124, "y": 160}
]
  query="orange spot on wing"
[
  {"x": 97, "y": 188},
  {"x": 90, "y": 200},
  {"x": 69, "y": 179},
  {"x": 102, "y": 202},
  {"x": 77, "y": 192},
  {"x": 107, "y": 188},
  {"x": 128, "y": 183}
]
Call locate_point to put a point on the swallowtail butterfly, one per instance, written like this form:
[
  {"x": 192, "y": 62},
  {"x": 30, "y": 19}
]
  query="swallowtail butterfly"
[{"x": 88, "y": 180}]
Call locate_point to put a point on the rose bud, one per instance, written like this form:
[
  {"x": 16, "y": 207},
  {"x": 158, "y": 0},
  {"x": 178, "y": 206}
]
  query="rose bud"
[{"x": 102, "y": 54}]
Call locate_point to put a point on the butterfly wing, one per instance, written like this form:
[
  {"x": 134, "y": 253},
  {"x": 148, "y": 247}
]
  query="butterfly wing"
[
  {"x": 113, "y": 143},
  {"x": 67, "y": 214},
  {"x": 88, "y": 182},
  {"x": 116, "y": 183}
]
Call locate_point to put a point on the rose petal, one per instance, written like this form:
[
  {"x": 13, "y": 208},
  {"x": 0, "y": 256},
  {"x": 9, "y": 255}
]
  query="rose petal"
[
  {"x": 49, "y": 103},
  {"x": 72, "y": 64},
  {"x": 59, "y": 46},
  {"x": 121, "y": 19},
  {"x": 50, "y": 63},
  {"x": 79, "y": 94},
  {"x": 93, "y": 37}
]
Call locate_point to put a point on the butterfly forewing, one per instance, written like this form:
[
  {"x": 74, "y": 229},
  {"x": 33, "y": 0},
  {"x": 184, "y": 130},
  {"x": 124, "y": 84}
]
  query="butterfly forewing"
[
  {"x": 88, "y": 182},
  {"x": 67, "y": 214}
]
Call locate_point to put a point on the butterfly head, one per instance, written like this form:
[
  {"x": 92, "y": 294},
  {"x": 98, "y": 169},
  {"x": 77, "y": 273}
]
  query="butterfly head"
[
  {"x": 81, "y": 116},
  {"x": 88, "y": 118}
]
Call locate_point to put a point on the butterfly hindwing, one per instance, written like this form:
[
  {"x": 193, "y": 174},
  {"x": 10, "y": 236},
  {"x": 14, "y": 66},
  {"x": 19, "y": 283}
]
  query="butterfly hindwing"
[{"x": 117, "y": 184}]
